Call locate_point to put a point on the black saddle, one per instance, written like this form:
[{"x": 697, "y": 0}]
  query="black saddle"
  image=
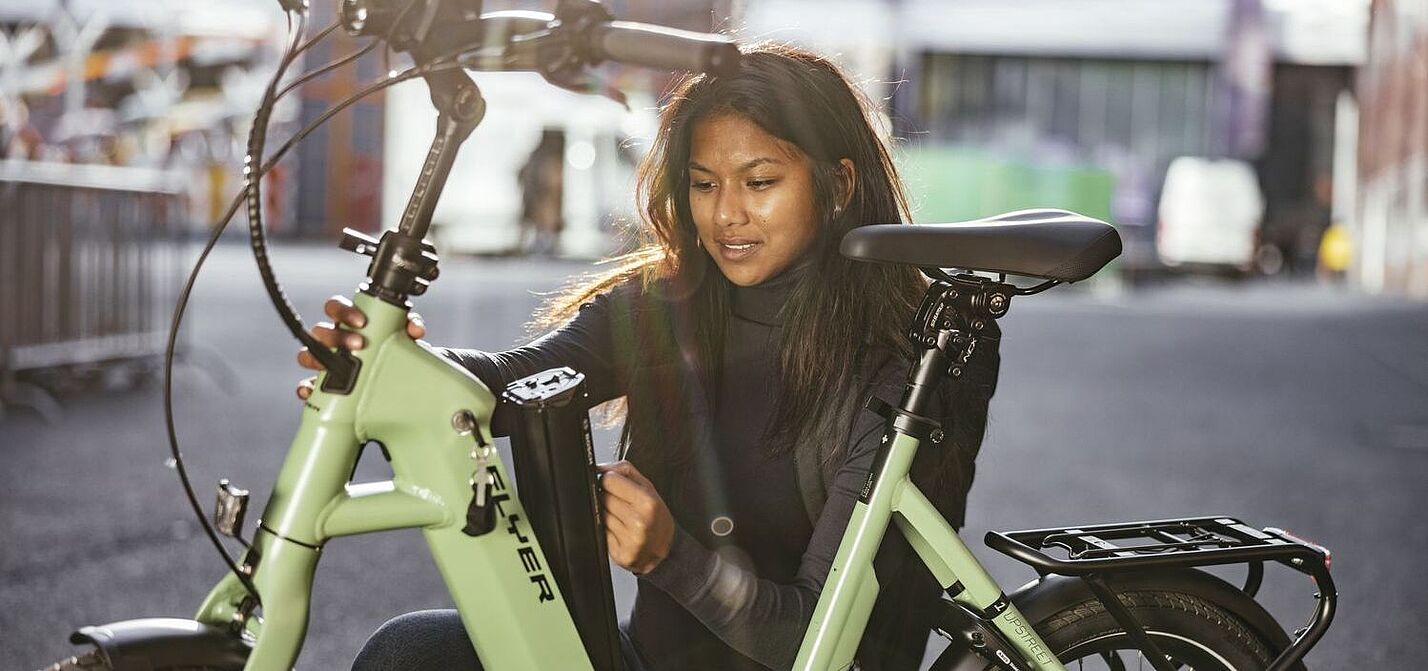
[{"x": 1045, "y": 243}]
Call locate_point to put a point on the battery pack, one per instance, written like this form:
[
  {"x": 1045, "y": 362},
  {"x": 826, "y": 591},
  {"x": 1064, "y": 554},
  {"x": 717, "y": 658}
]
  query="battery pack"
[{"x": 556, "y": 481}]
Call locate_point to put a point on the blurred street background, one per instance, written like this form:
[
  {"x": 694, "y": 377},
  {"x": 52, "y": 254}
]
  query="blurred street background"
[{"x": 1259, "y": 350}]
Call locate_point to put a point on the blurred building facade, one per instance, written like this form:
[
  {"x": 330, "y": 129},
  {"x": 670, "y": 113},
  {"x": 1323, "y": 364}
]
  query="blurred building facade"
[
  {"x": 1016, "y": 103},
  {"x": 1391, "y": 208},
  {"x": 336, "y": 180}
]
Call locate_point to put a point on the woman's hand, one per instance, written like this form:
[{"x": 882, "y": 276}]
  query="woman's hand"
[
  {"x": 638, "y": 526},
  {"x": 341, "y": 310}
]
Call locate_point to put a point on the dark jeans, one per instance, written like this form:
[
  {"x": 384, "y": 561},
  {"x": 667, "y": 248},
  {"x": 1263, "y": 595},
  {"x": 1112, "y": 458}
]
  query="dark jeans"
[{"x": 436, "y": 639}]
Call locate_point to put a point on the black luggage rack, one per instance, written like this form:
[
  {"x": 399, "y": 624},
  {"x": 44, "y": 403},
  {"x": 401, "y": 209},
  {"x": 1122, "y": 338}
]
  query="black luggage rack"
[{"x": 1091, "y": 552}]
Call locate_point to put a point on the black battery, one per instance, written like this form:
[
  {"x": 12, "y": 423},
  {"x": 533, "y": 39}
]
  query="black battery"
[{"x": 559, "y": 489}]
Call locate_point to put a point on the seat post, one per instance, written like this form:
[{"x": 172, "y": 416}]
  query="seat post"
[
  {"x": 951, "y": 320},
  {"x": 922, "y": 381}
]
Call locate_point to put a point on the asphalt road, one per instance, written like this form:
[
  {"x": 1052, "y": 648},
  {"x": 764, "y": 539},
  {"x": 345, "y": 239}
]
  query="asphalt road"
[{"x": 1286, "y": 405}]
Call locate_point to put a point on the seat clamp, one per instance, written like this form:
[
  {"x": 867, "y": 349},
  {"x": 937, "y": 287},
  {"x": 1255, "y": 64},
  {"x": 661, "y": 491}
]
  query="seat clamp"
[{"x": 917, "y": 426}]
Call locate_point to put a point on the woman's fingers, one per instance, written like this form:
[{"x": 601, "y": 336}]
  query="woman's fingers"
[
  {"x": 629, "y": 470},
  {"x": 620, "y": 487},
  {"x": 615, "y": 523},
  {"x": 625, "y": 515},
  {"x": 342, "y": 311},
  {"x": 614, "y": 547},
  {"x": 628, "y": 482},
  {"x": 304, "y": 388},
  {"x": 623, "y": 540},
  {"x": 624, "y": 468},
  {"x": 328, "y": 335},
  {"x": 636, "y": 516}
]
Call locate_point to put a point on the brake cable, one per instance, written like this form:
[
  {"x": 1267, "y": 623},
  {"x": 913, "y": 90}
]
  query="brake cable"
[
  {"x": 182, "y": 303},
  {"x": 295, "y": 35},
  {"x": 339, "y": 363}
]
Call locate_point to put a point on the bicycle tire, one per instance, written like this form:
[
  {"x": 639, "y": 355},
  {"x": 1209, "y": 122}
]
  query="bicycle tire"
[
  {"x": 1195, "y": 632},
  {"x": 94, "y": 660}
]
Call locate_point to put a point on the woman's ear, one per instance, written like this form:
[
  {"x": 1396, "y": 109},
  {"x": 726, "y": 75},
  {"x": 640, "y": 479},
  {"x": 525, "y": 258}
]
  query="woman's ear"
[{"x": 847, "y": 182}]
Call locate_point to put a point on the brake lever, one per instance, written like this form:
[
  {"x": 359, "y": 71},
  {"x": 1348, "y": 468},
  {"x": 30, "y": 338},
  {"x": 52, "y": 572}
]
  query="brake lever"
[
  {"x": 558, "y": 60},
  {"x": 586, "y": 84}
]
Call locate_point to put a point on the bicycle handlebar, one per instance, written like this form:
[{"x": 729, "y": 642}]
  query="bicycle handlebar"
[
  {"x": 578, "y": 34},
  {"x": 663, "y": 48}
]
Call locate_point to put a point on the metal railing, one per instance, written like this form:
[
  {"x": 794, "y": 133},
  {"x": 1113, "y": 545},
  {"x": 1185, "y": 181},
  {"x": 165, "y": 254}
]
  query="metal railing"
[{"x": 90, "y": 265}]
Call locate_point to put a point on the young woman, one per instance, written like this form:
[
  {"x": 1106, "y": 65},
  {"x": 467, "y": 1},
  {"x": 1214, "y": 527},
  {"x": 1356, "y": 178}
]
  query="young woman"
[{"x": 743, "y": 345}]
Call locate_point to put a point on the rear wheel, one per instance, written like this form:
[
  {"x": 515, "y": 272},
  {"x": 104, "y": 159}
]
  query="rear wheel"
[{"x": 1193, "y": 632}]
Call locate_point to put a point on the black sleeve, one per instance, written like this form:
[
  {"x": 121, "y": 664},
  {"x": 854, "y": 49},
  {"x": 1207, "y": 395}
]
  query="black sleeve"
[
  {"x": 760, "y": 618},
  {"x": 766, "y": 621},
  {"x": 586, "y": 344}
]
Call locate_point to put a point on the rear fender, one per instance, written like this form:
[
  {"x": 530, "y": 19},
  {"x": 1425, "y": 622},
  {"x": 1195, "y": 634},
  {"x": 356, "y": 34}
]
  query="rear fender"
[
  {"x": 1040, "y": 599},
  {"x": 154, "y": 643}
]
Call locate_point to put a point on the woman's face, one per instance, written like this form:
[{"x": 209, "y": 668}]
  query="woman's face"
[{"x": 751, "y": 195}]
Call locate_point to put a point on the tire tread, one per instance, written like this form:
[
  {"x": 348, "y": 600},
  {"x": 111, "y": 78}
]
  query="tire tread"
[{"x": 1230, "y": 626}]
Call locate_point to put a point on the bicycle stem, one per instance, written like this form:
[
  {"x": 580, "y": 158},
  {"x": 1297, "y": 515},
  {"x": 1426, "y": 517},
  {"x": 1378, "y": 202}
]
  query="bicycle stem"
[{"x": 403, "y": 265}]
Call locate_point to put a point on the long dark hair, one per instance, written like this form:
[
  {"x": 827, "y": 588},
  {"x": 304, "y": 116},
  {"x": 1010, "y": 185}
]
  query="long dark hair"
[{"x": 840, "y": 312}]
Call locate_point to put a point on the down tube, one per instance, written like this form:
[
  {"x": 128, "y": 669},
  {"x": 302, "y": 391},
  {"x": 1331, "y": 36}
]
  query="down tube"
[
  {"x": 951, "y": 562},
  {"x": 500, "y": 580}
]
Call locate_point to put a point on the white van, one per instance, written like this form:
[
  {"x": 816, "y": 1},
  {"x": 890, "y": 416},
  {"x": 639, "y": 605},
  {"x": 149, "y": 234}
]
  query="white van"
[
  {"x": 480, "y": 207},
  {"x": 1210, "y": 213}
]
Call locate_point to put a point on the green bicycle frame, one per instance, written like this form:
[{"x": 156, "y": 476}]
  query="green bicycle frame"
[
  {"x": 405, "y": 399},
  {"x": 416, "y": 404},
  {"x": 851, "y": 588}
]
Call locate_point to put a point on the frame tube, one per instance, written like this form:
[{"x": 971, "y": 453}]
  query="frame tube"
[
  {"x": 838, "y": 616},
  {"x": 942, "y": 549},
  {"x": 847, "y": 597},
  {"x": 380, "y": 506},
  {"x": 404, "y": 398}
]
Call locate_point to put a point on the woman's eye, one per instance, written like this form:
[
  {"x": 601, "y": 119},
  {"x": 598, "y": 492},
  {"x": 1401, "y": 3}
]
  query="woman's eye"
[
  {"x": 761, "y": 183},
  {"x": 702, "y": 186}
]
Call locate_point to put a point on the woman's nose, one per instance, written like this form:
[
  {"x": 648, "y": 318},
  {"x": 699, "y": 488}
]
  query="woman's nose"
[{"x": 729, "y": 208}]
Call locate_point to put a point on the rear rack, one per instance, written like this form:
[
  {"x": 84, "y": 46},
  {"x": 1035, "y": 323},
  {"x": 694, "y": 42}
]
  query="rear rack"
[
  {"x": 1092, "y": 552},
  {"x": 1203, "y": 541}
]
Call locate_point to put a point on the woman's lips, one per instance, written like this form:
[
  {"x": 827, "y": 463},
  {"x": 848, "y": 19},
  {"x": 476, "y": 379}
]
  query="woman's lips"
[{"x": 737, "y": 251}]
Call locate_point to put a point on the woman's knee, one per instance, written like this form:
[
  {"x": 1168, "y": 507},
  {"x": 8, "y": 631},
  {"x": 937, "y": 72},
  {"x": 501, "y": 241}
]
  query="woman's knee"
[{"x": 427, "y": 639}]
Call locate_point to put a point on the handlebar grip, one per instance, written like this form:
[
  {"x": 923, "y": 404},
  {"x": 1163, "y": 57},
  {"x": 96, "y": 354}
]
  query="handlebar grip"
[{"x": 664, "y": 48}]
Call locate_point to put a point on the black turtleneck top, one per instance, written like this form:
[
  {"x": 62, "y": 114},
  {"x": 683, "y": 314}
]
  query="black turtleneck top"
[
  {"x": 752, "y": 520},
  {"x": 743, "y": 576}
]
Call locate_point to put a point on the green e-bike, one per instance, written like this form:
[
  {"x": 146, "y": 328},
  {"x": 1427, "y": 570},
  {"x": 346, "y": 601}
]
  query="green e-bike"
[{"x": 1107, "y": 595}]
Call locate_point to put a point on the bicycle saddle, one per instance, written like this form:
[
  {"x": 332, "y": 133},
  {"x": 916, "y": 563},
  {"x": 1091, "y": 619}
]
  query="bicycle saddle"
[{"x": 1044, "y": 243}]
